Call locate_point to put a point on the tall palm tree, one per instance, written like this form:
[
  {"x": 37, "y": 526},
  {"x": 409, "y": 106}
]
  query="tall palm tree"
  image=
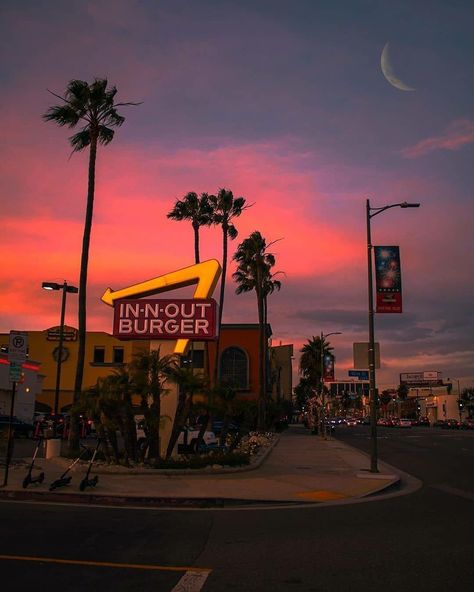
[
  {"x": 150, "y": 371},
  {"x": 310, "y": 361},
  {"x": 225, "y": 209},
  {"x": 254, "y": 264},
  {"x": 198, "y": 210},
  {"x": 93, "y": 106}
]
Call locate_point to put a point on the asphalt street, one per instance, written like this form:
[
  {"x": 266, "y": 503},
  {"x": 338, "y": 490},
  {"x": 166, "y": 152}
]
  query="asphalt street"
[{"x": 420, "y": 541}]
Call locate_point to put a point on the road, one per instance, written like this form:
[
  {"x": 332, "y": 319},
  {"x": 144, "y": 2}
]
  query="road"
[{"x": 422, "y": 541}]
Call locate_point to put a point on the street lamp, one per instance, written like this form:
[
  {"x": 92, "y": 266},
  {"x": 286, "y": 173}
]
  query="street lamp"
[
  {"x": 372, "y": 391},
  {"x": 323, "y": 398},
  {"x": 65, "y": 287}
]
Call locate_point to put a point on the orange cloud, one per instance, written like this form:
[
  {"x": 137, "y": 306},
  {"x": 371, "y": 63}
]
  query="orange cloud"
[{"x": 459, "y": 134}]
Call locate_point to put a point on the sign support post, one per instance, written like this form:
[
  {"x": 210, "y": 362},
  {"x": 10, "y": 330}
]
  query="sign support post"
[{"x": 10, "y": 438}]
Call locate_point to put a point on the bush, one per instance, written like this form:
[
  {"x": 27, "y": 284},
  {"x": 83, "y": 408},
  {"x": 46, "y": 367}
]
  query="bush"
[{"x": 230, "y": 459}]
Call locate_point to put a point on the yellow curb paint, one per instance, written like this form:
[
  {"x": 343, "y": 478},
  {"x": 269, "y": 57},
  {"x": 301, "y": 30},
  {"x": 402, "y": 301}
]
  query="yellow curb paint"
[
  {"x": 105, "y": 564},
  {"x": 321, "y": 496}
]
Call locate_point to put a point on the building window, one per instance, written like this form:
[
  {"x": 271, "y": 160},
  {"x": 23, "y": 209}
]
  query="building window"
[
  {"x": 118, "y": 355},
  {"x": 235, "y": 368},
  {"x": 99, "y": 355}
]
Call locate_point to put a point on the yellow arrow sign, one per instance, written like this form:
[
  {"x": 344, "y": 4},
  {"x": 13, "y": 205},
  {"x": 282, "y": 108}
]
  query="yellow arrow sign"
[{"x": 205, "y": 275}]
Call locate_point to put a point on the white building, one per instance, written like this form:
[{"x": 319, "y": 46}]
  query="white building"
[{"x": 27, "y": 388}]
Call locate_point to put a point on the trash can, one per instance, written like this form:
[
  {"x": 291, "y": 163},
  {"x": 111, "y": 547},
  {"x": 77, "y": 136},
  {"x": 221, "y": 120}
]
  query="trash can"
[{"x": 53, "y": 448}]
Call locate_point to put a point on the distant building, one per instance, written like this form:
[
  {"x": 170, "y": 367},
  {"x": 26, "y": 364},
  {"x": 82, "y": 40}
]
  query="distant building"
[{"x": 27, "y": 389}]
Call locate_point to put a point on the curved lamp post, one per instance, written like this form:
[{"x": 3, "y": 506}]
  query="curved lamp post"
[
  {"x": 65, "y": 287},
  {"x": 370, "y": 213},
  {"x": 323, "y": 401}
]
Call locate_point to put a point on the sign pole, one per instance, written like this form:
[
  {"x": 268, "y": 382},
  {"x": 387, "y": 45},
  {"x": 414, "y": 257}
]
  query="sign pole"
[{"x": 10, "y": 437}]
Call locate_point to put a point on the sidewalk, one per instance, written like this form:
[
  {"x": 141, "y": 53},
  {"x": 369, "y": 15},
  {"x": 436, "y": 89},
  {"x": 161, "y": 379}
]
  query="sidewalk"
[{"x": 299, "y": 468}]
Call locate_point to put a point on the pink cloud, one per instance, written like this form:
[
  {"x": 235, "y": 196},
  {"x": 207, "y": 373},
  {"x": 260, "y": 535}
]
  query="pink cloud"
[{"x": 458, "y": 134}]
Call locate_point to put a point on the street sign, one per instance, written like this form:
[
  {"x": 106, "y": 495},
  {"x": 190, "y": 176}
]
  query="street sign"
[
  {"x": 18, "y": 346},
  {"x": 360, "y": 374},
  {"x": 15, "y": 372}
]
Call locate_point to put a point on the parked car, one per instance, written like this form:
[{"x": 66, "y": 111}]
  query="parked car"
[
  {"x": 187, "y": 439},
  {"x": 351, "y": 421},
  {"x": 424, "y": 421},
  {"x": 20, "y": 428},
  {"x": 467, "y": 424},
  {"x": 451, "y": 424},
  {"x": 439, "y": 423},
  {"x": 404, "y": 422}
]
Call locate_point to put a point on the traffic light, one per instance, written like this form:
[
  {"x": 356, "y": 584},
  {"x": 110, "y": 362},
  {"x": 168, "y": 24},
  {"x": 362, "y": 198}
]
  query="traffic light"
[{"x": 460, "y": 404}]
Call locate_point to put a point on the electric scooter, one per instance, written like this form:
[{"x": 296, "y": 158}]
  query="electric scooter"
[
  {"x": 40, "y": 478},
  {"x": 65, "y": 479},
  {"x": 86, "y": 482}
]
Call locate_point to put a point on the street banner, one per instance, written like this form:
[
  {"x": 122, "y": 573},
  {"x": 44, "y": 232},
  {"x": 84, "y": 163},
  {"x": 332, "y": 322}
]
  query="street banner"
[
  {"x": 152, "y": 318},
  {"x": 328, "y": 367},
  {"x": 388, "y": 280}
]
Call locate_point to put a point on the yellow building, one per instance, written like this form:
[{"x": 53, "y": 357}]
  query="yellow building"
[{"x": 104, "y": 353}]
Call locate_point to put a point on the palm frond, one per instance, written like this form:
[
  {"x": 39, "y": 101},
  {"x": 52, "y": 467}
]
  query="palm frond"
[
  {"x": 106, "y": 135},
  {"x": 62, "y": 115},
  {"x": 80, "y": 140}
]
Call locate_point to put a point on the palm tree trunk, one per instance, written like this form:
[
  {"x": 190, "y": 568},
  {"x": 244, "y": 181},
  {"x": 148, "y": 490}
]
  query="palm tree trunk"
[
  {"x": 261, "y": 364},
  {"x": 74, "y": 433},
  {"x": 221, "y": 302},
  {"x": 196, "y": 242}
]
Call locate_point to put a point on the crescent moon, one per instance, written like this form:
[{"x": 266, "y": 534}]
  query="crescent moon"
[{"x": 387, "y": 71}]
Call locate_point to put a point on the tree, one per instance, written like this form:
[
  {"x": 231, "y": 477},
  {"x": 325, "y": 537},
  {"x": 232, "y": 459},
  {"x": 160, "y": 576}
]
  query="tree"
[
  {"x": 402, "y": 392},
  {"x": 150, "y": 371},
  {"x": 310, "y": 361},
  {"x": 386, "y": 398},
  {"x": 225, "y": 209},
  {"x": 253, "y": 272},
  {"x": 303, "y": 391},
  {"x": 92, "y": 105},
  {"x": 188, "y": 385},
  {"x": 198, "y": 210}
]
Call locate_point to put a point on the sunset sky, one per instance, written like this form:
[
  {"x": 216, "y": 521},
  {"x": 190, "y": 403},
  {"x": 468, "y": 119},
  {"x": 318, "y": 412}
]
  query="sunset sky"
[{"x": 281, "y": 101}]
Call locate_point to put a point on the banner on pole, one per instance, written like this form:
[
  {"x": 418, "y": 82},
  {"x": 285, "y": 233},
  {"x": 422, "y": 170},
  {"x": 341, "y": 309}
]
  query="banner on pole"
[
  {"x": 328, "y": 367},
  {"x": 388, "y": 279}
]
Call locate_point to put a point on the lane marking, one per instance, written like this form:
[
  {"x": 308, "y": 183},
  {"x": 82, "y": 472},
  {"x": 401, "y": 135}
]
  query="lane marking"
[
  {"x": 186, "y": 569},
  {"x": 454, "y": 491},
  {"x": 192, "y": 581}
]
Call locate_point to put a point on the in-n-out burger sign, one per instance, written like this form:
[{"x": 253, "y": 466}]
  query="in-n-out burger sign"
[{"x": 147, "y": 318}]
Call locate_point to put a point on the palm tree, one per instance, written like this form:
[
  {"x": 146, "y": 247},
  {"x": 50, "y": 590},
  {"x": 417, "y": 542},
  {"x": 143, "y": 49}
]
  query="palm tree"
[
  {"x": 253, "y": 272},
  {"x": 198, "y": 210},
  {"x": 310, "y": 361},
  {"x": 150, "y": 371},
  {"x": 225, "y": 209},
  {"x": 92, "y": 105},
  {"x": 188, "y": 385}
]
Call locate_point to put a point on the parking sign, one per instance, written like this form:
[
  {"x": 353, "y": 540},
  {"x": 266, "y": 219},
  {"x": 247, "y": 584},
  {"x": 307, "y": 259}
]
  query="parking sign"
[{"x": 17, "y": 346}]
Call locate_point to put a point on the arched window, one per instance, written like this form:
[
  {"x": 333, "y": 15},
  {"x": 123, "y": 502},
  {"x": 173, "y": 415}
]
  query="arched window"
[{"x": 235, "y": 368}]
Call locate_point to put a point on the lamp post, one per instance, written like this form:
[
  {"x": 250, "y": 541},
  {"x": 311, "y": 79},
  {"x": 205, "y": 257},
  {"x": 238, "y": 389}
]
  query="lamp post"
[
  {"x": 370, "y": 213},
  {"x": 65, "y": 287},
  {"x": 323, "y": 398}
]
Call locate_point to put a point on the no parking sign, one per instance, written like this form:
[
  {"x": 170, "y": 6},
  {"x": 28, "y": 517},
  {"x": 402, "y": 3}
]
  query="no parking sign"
[{"x": 17, "y": 346}]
